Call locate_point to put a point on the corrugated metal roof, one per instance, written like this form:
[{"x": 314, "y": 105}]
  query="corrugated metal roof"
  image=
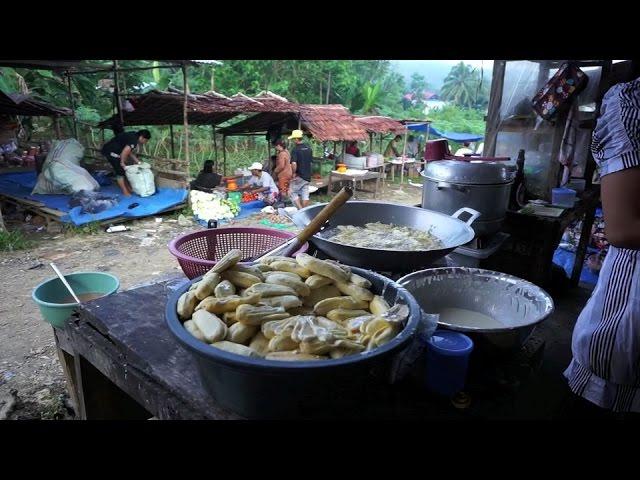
[{"x": 17, "y": 104}]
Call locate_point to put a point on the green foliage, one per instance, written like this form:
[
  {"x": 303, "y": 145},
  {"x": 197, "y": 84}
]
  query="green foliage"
[
  {"x": 452, "y": 118},
  {"x": 462, "y": 87},
  {"x": 363, "y": 86},
  {"x": 13, "y": 240},
  {"x": 91, "y": 228}
]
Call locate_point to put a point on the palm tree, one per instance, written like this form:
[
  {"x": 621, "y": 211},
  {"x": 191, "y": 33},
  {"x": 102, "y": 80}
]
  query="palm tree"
[{"x": 461, "y": 85}]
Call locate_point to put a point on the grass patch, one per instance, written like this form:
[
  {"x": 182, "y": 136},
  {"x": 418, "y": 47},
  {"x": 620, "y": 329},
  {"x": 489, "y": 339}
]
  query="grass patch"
[
  {"x": 92, "y": 228},
  {"x": 15, "y": 240}
]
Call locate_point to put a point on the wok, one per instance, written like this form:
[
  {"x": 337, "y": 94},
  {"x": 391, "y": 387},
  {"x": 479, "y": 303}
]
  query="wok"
[{"x": 451, "y": 231}]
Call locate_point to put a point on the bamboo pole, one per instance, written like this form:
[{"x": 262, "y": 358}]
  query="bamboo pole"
[
  {"x": 185, "y": 115},
  {"x": 173, "y": 146},
  {"x": 126, "y": 69}
]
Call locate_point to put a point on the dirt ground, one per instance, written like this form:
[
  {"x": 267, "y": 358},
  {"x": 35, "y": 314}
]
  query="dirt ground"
[{"x": 32, "y": 384}]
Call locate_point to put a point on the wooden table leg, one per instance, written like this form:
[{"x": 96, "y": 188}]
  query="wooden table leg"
[
  {"x": 585, "y": 236},
  {"x": 329, "y": 185},
  {"x": 101, "y": 399}
]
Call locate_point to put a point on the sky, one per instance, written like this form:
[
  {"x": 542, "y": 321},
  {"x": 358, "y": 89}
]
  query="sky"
[{"x": 435, "y": 71}]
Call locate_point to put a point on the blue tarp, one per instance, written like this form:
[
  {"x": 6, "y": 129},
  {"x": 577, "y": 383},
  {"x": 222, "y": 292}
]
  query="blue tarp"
[
  {"x": 453, "y": 136},
  {"x": 566, "y": 259},
  {"x": 20, "y": 185}
]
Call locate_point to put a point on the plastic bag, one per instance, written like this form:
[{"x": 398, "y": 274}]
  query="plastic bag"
[
  {"x": 61, "y": 171},
  {"x": 141, "y": 179},
  {"x": 404, "y": 361}
]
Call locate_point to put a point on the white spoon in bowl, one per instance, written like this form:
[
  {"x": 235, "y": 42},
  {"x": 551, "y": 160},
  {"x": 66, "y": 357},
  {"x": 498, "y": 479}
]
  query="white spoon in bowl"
[{"x": 64, "y": 280}]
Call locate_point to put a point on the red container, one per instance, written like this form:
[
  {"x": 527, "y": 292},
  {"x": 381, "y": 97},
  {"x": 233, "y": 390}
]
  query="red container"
[{"x": 436, "y": 150}]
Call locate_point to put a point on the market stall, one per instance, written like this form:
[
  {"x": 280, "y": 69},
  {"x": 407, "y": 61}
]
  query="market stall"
[{"x": 324, "y": 123}]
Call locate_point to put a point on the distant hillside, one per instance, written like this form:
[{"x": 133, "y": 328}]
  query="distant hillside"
[{"x": 435, "y": 71}]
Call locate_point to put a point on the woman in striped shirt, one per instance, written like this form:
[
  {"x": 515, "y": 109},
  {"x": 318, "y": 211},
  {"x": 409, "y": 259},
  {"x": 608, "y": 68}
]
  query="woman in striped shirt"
[{"x": 605, "y": 369}]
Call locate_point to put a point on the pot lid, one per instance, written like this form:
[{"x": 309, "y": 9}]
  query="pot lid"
[{"x": 470, "y": 173}]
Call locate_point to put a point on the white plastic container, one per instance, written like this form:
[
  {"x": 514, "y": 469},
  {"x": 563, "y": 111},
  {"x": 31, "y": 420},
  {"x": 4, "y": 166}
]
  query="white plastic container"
[{"x": 563, "y": 197}]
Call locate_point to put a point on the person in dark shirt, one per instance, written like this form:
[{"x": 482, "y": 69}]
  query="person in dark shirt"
[
  {"x": 301, "y": 157},
  {"x": 119, "y": 149},
  {"x": 207, "y": 179}
]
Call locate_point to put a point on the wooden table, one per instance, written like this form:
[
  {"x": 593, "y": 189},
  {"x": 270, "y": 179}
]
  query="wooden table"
[
  {"x": 397, "y": 163},
  {"x": 353, "y": 178},
  {"x": 122, "y": 362},
  {"x": 529, "y": 252}
]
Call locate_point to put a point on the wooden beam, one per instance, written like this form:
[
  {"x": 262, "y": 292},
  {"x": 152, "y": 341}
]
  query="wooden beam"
[{"x": 126, "y": 69}]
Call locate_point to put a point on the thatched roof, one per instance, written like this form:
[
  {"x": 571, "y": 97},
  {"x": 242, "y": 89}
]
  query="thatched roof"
[
  {"x": 379, "y": 124},
  {"x": 211, "y": 108},
  {"x": 17, "y": 104}
]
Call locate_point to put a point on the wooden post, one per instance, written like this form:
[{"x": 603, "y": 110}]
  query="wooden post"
[
  {"x": 185, "y": 116},
  {"x": 73, "y": 106},
  {"x": 381, "y": 135},
  {"x": 173, "y": 147},
  {"x": 495, "y": 102},
  {"x": 371, "y": 142},
  {"x": 215, "y": 146},
  {"x": 224, "y": 155},
  {"x": 56, "y": 127}
]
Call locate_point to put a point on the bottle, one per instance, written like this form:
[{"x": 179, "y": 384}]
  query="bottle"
[{"x": 518, "y": 192}]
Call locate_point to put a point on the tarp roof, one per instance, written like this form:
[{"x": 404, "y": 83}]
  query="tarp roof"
[
  {"x": 453, "y": 136},
  {"x": 211, "y": 108},
  {"x": 379, "y": 124},
  {"x": 323, "y": 122},
  {"x": 17, "y": 104}
]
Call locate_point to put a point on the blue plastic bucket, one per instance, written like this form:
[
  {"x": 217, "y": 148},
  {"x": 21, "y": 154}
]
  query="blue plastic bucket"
[
  {"x": 49, "y": 294},
  {"x": 446, "y": 362}
]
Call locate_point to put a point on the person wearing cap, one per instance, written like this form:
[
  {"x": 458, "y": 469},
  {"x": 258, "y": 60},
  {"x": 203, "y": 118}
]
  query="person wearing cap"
[
  {"x": 605, "y": 368},
  {"x": 301, "y": 157},
  {"x": 262, "y": 183}
]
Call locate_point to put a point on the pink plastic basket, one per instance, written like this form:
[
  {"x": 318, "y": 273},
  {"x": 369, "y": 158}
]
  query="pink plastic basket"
[{"x": 198, "y": 251}]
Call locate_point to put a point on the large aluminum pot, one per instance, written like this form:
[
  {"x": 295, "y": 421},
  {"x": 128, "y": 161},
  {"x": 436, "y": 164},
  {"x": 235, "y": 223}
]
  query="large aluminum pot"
[
  {"x": 449, "y": 185},
  {"x": 516, "y": 305}
]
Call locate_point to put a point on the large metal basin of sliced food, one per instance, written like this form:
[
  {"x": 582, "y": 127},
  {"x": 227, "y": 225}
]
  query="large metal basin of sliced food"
[
  {"x": 497, "y": 310},
  {"x": 449, "y": 230},
  {"x": 256, "y": 387}
]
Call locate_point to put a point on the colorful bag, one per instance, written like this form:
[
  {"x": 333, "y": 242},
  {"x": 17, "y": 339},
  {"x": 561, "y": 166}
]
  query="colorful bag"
[{"x": 568, "y": 82}]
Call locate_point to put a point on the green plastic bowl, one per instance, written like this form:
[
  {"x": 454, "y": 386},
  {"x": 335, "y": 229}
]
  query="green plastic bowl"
[{"x": 50, "y": 293}]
